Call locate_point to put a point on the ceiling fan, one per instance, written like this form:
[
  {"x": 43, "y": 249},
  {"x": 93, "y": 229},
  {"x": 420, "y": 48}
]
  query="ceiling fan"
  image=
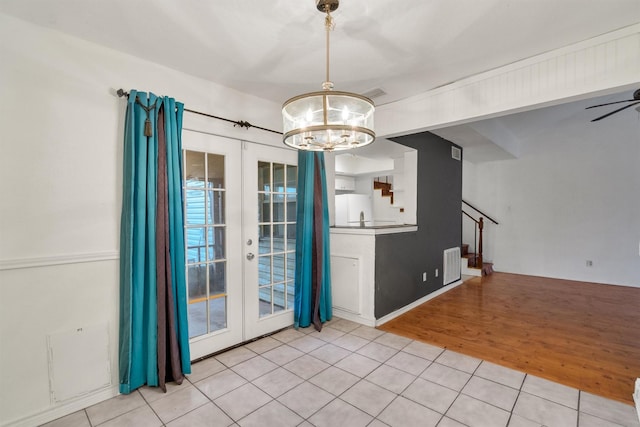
[{"x": 635, "y": 100}]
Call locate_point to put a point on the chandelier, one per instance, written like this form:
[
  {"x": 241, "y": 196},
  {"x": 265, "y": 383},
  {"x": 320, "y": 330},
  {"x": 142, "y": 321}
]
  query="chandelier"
[{"x": 328, "y": 120}]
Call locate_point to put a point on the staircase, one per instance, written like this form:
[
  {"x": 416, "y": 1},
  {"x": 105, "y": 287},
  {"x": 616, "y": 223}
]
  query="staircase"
[
  {"x": 385, "y": 187},
  {"x": 471, "y": 263}
]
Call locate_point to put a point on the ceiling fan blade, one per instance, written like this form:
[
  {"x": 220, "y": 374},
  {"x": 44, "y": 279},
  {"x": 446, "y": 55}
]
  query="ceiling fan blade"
[
  {"x": 615, "y": 111},
  {"x": 609, "y": 103}
]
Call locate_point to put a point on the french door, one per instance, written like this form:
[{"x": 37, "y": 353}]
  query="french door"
[{"x": 239, "y": 239}]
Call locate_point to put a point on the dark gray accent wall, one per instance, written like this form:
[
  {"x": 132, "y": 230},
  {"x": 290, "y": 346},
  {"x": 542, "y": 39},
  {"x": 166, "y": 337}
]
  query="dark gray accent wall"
[{"x": 402, "y": 258}]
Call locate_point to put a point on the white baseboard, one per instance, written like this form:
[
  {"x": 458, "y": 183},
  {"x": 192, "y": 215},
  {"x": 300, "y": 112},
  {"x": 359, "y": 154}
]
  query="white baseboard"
[
  {"x": 347, "y": 315},
  {"x": 61, "y": 410},
  {"x": 416, "y": 303}
]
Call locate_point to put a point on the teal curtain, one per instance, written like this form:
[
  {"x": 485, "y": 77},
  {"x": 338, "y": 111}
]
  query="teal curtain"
[
  {"x": 154, "y": 338},
  {"x": 313, "y": 268}
]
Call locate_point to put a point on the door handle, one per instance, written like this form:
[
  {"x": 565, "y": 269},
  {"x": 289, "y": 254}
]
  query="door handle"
[{"x": 250, "y": 256}]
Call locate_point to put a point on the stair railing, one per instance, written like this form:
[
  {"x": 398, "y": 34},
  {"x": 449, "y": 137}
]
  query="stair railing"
[
  {"x": 477, "y": 234},
  {"x": 477, "y": 240}
]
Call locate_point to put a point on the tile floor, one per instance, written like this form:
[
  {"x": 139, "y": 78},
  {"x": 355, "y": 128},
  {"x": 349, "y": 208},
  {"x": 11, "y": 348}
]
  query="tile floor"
[{"x": 350, "y": 375}]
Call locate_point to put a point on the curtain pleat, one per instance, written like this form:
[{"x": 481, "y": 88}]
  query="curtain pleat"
[
  {"x": 149, "y": 316},
  {"x": 313, "y": 271}
]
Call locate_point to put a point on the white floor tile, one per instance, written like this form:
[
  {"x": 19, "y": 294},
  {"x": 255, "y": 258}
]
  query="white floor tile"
[
  {"x": 358, "y": 365},
  {"x": 141, "y": 417},
  {"x": 242, "y": 401},
  {"x": 367, "y": 332},
  {"x": 458, "y": 361},
  {"x": 306, "y": 399},
  {"x": 394, "y": 341},
  {"x": 378, "y": 352},
  {"x": 549, "y": 390},
  {"x": 306, "y": 366},
  {"x": 263, "y": 344},
  {"x": 609, "y": 410},
  {"x": 207, "y": 415},
  {"x": 114, "y": 407},
  {"x": 330, "y": 353},
  {"x": 254, "y": 368},
  {"x": 403, "y": 412},
  {"x": 446, "y": 376},
  {"x": 178, "y": 403},
  {"x": 426, "y": 351},
  {"x": 476, "y": 413},
  {"x": 273, "y": 414},
  {"x": 334, "y": 380},
  {"x": 283, "y": 354},
  {"x": 233, "y": 357},
  {"x": 431, "y": 395},
  {"x": 340, "y": 413},
  {"x": 350, "y": 342},
  {"x": 500, "y": 374},
  {"x": 277, "y": 382},
  {"x": 409, "y": 363},
  {"x": 391, "y": 378},
  {"x": 544, "y": 411},
  {"x": 586, "y": 420},
  {"x": 220, "y": 383},
  {"x": 77, "y": 419},
  {"x": 368, "y": 397},
  {"x": 306, "y": 344},
  {"x": 490, "y": 392},
  {"x": 205, "y": 368}
]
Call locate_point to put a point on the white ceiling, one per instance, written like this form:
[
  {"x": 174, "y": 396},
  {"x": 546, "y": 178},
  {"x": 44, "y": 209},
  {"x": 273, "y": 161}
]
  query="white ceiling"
[{"x": 275, "y": 49}]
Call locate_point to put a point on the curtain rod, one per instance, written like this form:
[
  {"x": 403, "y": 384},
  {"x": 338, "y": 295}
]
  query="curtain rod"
[{"x": 243, "y": 124}]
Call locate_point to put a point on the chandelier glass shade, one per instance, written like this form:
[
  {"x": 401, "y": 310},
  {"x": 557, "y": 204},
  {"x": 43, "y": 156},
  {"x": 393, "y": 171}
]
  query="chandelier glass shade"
[{"x": 328, "y": 120}]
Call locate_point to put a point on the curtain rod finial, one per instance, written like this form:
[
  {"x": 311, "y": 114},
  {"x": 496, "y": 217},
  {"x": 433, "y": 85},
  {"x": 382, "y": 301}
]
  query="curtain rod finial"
[{"x": 121, "y": 93}]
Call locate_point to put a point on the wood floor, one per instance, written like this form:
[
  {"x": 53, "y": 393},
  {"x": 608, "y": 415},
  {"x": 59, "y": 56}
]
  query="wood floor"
[{"x": 583, "y": 335}]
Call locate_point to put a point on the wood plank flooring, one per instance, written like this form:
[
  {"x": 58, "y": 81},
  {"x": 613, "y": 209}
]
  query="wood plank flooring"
[{"x": 583, "y": 335}]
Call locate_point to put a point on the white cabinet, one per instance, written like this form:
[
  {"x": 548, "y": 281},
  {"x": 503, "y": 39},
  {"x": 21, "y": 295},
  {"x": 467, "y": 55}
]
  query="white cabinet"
[{"x": 347, "y": 183}]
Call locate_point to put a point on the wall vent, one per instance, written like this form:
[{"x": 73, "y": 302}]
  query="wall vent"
[
  {"x": 452, "y": 266},
  {"x": 456, "y": 153}
]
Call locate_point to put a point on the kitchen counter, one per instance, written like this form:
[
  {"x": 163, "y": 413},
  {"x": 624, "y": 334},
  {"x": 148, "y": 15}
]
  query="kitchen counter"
[{"x": 374, "y": 229}]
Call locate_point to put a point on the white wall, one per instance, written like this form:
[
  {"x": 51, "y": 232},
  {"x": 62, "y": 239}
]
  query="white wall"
[
  {"x": 572, "y": 196},
  {"x": 60, "y": 182}
]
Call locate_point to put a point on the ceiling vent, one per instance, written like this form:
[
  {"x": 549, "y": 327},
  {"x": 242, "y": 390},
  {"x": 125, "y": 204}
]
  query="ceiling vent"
[
  {"x": 374, "y": 93},
  {"x": 456, "y": 153}
]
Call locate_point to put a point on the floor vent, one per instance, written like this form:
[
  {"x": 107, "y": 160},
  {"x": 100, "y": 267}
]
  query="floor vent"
[
  {"x": 456, "y": 153},
  {"x": 452, "y": 265}
]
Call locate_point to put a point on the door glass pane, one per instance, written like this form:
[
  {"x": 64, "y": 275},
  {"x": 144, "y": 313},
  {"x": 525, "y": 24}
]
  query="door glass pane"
[
  {"x": 194, "y": 169},
  {"x": 278, "y": 268},
  {"x": 278, "y": 208},
  {"x": 290, "y": 296},
  {"x": 279, "y": 297},
  {"x": 215, "y": 243},
  {"x": 264, "y": 239},
  {"x": 205, "y": 241},
  {"x": 278, "y": 237},
  {"x": 215, "y": 169},
  {"x": 292, "y": 179},
  {"x": 264, "y": 176},
  {"x": 291, "y": 237},
  {"x": 291, "y": 208},
  {"x": 264, "y": 208},
  {"x": 291, "y": 266},
  {"x": 194, "y": 206},
  {"x": 197, "y": 294},
  {"x": 264, "y": 294},
  {"x": 278, "y": 177},
  {"x": 215, "y": 207},
  {"x": 195, "y": 244},
  {"x": 217, "y": 279},
  {"x": 264, "y": 270},
  {"x": 218, "y": 310}
]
